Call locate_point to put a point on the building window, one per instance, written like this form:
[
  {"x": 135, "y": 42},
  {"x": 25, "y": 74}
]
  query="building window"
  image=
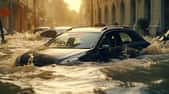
[
  {"x": 113, "y": 14},
  {"x": 133, "y": 12},
  {"x": 147, "y": 9},
  {"x": 106, "y": 14},
  {"x": 99, "y": 15},
  {"x": 122, "y": 9},
  {"x": 166, "y": 14}
]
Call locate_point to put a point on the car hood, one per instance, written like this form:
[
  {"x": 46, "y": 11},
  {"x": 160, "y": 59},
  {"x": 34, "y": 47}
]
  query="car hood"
[
  {"x": 49, "y": 56},
  {"x": 62, "y": 53}
]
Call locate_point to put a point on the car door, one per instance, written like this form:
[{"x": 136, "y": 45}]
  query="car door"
[
  {"x": 128, "y": 45},
  {"x": 125, "y": 39}
]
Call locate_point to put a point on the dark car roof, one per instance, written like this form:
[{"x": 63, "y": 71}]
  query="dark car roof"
[
  {"x": 87, "y": 29},
  {"x": 99, "y": 29},
  {"x": 107, "y": 29}
]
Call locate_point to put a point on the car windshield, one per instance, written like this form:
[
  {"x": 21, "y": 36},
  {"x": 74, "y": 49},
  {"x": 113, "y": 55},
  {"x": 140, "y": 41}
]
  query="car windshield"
[{"x": 78, "y": 39}]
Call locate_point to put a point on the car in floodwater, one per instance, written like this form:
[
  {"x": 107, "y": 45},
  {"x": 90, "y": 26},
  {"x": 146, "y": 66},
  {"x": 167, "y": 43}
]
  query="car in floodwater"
[
  {"x": 40, "y": 29},
  {"x": 86, "y": 44},
  {"x": 53, "y": 32}
]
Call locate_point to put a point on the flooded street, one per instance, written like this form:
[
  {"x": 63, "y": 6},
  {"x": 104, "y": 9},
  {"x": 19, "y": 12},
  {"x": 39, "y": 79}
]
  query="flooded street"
[
  {"x": 123, "y": 77},
  {"x": 84, "y": 47},
  {"x": 144, "y": 75}
]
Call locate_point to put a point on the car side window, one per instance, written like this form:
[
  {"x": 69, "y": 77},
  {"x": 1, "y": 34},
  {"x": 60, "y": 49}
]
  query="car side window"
[
  {"x": 112, "y": 39},
  {"x": 125, "y": 38}
]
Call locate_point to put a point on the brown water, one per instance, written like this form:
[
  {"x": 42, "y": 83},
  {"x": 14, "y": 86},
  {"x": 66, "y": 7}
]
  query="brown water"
[{"x": 132, "y": 76}]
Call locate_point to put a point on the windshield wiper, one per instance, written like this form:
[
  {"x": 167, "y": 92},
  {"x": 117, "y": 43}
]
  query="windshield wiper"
[{"x": 53, "y": 39}]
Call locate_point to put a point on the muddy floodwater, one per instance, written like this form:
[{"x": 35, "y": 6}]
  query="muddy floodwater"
[{"x": 146, "y": 74}]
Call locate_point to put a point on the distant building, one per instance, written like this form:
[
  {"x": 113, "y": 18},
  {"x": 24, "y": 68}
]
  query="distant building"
[
  {"x": 24, "y": 14},
  {"x": 127, "y": 12},
  {"x": 29, "y": 14},
  {"x": 4, "y": 4}
]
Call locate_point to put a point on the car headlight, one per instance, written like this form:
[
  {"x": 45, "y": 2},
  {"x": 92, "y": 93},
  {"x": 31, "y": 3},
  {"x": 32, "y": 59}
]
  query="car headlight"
[{"x": 72, "y": 60}]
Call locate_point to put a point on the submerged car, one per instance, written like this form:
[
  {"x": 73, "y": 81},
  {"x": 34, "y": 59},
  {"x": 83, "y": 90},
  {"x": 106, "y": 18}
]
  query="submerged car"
[
  {"x": 53, "y": 32},
  {"x": 40, "y": 29},
  {"x": 86, "y": 44}
]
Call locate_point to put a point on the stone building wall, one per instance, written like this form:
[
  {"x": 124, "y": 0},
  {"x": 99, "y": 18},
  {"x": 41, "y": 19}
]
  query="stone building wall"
[{"x": 128, "y": 12}]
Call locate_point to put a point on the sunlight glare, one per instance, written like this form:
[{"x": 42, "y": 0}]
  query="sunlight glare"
[{"x": 73, "y": 4}]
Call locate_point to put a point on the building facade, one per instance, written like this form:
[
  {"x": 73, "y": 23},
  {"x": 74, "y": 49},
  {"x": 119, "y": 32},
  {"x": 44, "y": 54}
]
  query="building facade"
[
  {"x": 24, "y": 14},
  {"x": 4, "y": 19},
  {"x": 28, "y": 14},
  {"x": 127, "y": 13}
]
